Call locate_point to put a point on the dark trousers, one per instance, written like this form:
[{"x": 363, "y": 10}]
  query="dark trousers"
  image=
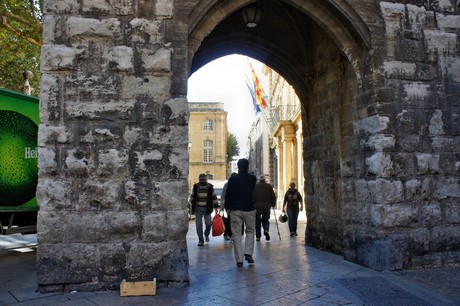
[
  {"x": 262, "y": 221},
  {"x": 293, "y": 215}
]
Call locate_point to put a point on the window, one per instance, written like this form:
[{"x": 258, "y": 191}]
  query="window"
[
  {"x": 207, "y": 151},
  {"x": 208, "y": 125}
]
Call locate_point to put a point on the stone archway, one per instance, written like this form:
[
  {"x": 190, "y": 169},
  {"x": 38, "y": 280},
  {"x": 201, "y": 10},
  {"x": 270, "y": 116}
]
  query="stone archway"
[
  {"x": 321, "y": 49},
  {"x": 380, "y": 125}
]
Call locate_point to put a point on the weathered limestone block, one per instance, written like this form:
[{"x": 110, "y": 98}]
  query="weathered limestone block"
[
  {"x": 388, "y": 192},
  {"x": 96, "y": 134},
  {"x": 444, "y": 143},
  {"x": 446, "y": 188},
  {"x": 394, "y": 16},
  {"x": 395, "y": 215},
  {"x": 448, "y": 22},
  {"x": 431, "y": 214},
  {"x": 80, "y": 162},
  {"x": 451, "y": 69},
  {"x": 381, "y": 164},
  {"x": 427, "y": 163},
  {"x": 47, "y": 160},
  {"x": 363, "y": 190},
  {"x": 373, "y": 124},
  {"x": 52, "y": 134},
  {"x": 418, "y": 190},
  {"x": 58, "y": 57},
  {"x": 446, "y": 6},
  {"x": 51, "y": 87},
  {"x": 97, "y": 195},
  {"x": 440, "y": 42},
  {"x": 145, "y": 31},
  {"x": 100, "y": 110},
  {"x": 82, "y": 29},
  {"x": 436, "y": 124},
  {"x": 54, "y": 195},
  {"x": 55, "y": 261},
  {"x": 79, "y": 87},
  {"x": 61, "y": 7},
  {"x": 172, "y": 229},
  {"x": 159, "y": 60},
  {"x": 417, "y": 18},
  {"x": 120, "y": 58},
  {"x": 164, "y": 8},
  {"x": 113, "y": 162},
  {"x": 175, "y": 136},
  {"x": 381, "y": 253},
  {"x": 399, "y": 70},
  {"x": 99, "y": 7},
  {"x": 417, "y": 94},
  {"x": 155, "y": 86},
  {"x": 382, "y": 142},
  {"x": 452, "y": 213},
  {"x": 123, "y": 7}
]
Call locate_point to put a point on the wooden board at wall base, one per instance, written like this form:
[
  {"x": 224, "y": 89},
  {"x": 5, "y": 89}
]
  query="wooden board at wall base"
[{"x": 138, "y": 288}]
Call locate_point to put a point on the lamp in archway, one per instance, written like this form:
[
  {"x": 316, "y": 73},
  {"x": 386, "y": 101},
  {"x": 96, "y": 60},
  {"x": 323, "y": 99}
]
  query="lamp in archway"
[{"x": 251, "y": 14}]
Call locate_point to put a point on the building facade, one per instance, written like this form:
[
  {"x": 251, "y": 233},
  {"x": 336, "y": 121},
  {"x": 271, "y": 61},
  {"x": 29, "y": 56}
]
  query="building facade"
[
  {"x": 286, "y": 136},
  {"x": 208, "y": 141},
  {"x": 258, "y": 147}
]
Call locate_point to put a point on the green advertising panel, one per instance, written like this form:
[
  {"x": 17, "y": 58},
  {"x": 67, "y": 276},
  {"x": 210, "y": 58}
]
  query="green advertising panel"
[{"x": 19, "y": 119}]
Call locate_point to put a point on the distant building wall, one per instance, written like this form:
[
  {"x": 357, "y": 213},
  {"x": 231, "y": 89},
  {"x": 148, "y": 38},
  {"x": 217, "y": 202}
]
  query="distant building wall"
[{"x": 208, "y": 125}]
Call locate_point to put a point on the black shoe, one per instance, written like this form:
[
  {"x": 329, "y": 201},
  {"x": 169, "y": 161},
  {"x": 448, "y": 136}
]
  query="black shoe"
[
  {"x": 248, "y": 258},
  {"x": 239, "y": 264},
  {"x": 267, "y": 235},
  {"x": 292, "y": 234},
  {"x": 258, "y": 239},
  {"x": 201, "y": 243}
]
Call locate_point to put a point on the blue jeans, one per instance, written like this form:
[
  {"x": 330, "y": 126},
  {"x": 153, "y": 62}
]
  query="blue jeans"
[
  {"x": 262, "y": 220},
  {"x": 200, "y": 213},
  {"x": 293, "y": 214}
]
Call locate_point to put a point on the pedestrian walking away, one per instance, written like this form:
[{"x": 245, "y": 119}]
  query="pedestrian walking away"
[
  {"x": 292, "y": 203},
  {"x": 204, "y": 199},
  {"x": 240, "y": 202},
  {"x": 264, "y": 200},
  {"x": 228, "y": 230}
]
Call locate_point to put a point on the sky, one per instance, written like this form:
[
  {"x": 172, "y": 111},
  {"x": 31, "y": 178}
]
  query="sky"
[{"x": 224, "y": 80}]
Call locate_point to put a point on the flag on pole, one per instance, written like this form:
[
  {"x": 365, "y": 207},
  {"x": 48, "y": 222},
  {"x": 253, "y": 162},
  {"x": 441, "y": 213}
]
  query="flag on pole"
[
  {"x": 259, "y": 95},
  {"x": 253, "y": 95}
]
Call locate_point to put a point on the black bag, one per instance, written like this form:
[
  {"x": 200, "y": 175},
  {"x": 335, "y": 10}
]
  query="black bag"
[{"x": 228, "y": 230}]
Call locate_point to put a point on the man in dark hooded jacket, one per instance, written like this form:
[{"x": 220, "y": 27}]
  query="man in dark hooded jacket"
[{"x": 239, "y": 201}]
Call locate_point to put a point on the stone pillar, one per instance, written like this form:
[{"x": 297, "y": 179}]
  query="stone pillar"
[
  {"x": 288, "y": 137},
  {"x": 113, "y": 139},
  {"x": 280, "y": 160}
]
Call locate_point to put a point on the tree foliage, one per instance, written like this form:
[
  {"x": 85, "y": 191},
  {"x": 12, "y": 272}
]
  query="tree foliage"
[
  {"x": 232, "y": 147},
  {"x": 20, "y": 42}
]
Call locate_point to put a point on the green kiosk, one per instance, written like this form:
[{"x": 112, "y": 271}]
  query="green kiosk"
[{"x": 19, "y": 120}]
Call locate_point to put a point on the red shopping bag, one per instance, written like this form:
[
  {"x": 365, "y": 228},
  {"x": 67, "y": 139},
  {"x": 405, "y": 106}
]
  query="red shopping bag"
[{"x": 218, "y": 227}]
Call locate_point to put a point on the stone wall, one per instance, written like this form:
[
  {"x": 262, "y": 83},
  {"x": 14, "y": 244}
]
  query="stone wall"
[
  {"x": 113, "y": 148},
  {"x": 393, "y": 189}
]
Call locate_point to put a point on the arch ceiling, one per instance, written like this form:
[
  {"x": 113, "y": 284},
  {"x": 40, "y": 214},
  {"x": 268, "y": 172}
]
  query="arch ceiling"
[{"x": 280, "y": 40}]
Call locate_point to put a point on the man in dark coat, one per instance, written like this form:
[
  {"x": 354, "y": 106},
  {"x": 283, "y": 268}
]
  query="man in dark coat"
[
  {"x": 264, "y": 200},
  {"x": 203, "y": 201},
  {"x": 239, "y": 201}
]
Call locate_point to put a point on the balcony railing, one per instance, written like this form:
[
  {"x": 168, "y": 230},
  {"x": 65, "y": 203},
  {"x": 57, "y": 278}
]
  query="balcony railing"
[{"x": 281, "y": 113}]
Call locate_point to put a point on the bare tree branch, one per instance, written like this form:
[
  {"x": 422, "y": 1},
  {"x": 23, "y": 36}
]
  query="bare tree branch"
[{"x": 4, "y": 24}]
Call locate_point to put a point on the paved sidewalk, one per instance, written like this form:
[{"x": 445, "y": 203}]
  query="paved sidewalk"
[{"x": 285, "y": 272}]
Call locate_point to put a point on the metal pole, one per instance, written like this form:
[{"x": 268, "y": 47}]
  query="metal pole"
[{"x": 276, "y": 221}]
